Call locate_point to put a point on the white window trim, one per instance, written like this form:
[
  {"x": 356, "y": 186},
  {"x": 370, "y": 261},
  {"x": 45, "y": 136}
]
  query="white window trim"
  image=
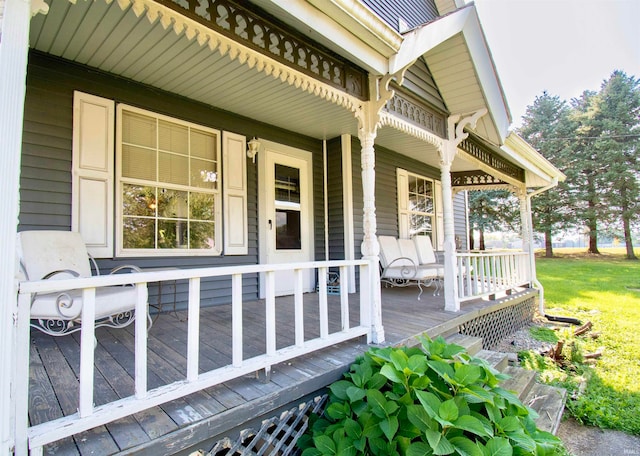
[
  {"x": 120, "y": 251},
  {"x": 403, "y": 200}
]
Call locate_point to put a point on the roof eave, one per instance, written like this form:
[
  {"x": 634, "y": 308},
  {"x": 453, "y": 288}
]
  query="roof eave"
[
  {"x": 531, "y": 160},
  {"x": 345, "y": 26}
]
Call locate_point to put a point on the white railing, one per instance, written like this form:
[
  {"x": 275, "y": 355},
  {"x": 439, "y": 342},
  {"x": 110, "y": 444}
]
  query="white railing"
[
  {"x": 489, "y": 272},
  {"x": 90, "y": 416}
]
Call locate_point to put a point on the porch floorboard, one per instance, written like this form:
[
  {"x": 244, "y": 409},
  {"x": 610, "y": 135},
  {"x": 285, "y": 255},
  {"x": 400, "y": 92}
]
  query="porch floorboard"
[{"x": 54, "y": 369}]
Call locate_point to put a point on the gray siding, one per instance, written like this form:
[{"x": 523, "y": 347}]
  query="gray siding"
[
  {"x": 413, "y": 12},
  {"x": 460, "y": 220},
  {"x": 45, "y": 194},
  {"x": 335, "y": 201},
  {"x": 418, "y": 79}
]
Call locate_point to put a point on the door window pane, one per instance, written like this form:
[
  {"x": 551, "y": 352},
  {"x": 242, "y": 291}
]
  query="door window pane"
[
  {"x": 287, "y": 185},
  {"x": 288, "y": 229}
]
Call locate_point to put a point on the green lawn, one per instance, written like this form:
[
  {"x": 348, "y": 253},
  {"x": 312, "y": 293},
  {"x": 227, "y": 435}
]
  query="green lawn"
[{"x": 606, "y": 291}]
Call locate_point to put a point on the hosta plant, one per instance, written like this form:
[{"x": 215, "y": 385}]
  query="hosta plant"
[{"x": 420, "y": 401}]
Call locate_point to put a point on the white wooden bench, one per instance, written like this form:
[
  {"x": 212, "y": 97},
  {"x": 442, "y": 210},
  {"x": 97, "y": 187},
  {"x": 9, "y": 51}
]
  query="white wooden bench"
[{"x": 408, "y": 262}]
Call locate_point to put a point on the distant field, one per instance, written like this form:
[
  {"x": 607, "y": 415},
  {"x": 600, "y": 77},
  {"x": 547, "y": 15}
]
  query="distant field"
[{"x": 603, "y": 289}]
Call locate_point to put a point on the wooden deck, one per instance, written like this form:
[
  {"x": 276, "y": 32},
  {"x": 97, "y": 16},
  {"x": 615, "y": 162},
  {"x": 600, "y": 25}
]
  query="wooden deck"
[{"x": 176, "y": 425}]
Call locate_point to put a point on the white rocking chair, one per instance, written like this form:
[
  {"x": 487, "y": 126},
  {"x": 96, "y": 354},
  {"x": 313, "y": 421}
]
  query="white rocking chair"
[{"x": 55, "y": 255}]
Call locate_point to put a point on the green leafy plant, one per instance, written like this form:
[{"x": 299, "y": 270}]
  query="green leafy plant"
[{"x": 419, "y": 401}]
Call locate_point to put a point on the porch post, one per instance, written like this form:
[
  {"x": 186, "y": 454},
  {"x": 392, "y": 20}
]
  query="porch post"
[
  {"x": 368, "y": 122},
  {"x": 15, "y": 16},
  {"x": 370, "y": 247},
  {"x": 456, "y": 134},
  {"x": 525, "y": 220},
  {"x": 451, "y": 300}
]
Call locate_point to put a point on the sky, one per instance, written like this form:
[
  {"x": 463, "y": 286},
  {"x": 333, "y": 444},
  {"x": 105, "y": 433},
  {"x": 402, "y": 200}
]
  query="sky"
[{"x": 562, "y": 46}]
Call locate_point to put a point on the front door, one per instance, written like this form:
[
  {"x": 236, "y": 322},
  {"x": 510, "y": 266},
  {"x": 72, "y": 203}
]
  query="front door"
[{"x": 286, "y": 212}]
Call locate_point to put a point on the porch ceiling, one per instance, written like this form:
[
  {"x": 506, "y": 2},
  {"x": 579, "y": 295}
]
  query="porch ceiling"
[
  {"x": 112, "y": 37},
  {"x": 117, "y": 41}
]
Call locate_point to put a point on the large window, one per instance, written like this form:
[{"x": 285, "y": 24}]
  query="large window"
[
  {"x": 419, "y": 206},
  {"x": 168, "y": 181}
]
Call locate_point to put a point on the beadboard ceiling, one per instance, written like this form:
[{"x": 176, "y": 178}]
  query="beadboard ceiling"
[{"x": 104, "y": 36}]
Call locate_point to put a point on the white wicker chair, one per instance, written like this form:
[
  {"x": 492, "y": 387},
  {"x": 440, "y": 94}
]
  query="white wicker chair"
[{"x": 51, "y": 255}]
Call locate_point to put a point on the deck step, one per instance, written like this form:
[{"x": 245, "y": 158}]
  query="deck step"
[
  {"x": 549, "y": 402},
  {"x": 497, "y": 360},
  {"x": 472, "y": 344},
  {"x": 521, "y": 381}
]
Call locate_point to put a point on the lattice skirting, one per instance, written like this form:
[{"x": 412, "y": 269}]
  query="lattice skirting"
[
  {"x": 494, "y": 326},
  {"x": 276, "y": 436}
]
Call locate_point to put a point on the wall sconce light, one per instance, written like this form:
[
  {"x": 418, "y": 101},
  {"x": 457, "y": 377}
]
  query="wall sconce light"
[{"x": 252, "y": 149}]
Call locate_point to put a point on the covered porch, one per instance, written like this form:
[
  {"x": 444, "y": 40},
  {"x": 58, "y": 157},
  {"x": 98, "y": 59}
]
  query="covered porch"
[
  {"x": 193, "y": 369},
  {"x": 178, "y": 425}
]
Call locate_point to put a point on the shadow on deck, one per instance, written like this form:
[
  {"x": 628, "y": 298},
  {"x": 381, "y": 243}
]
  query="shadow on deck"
[{"x": 178, "y": 425}]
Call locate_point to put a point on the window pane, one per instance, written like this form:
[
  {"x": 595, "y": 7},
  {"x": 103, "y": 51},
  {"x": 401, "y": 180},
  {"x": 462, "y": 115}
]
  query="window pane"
[
  {"x": 138, "y": 129},
  {"x": 413, "y": 184},
  {"x": 287, "y": 184},
  {"x": 139, "y": 200},
  {"x": 172, "y": 203},
  {"x": 173, "y": 137},
  {"x": 288, "y": 230},
  {"x": 420, "y": 224},
  {"x": 202, "y": 206},
  {"x": 138, "y": 233},
  {"x": 174, "y": 169},
  {"x": 204, "y": 174},
  {"x": 202, "y": 235},
  {"x": 203, "y": 144},
  {"x": 172, "y": 234},
  {"x": 138, "y": 163},
  {"x": 413, "y": 203}
]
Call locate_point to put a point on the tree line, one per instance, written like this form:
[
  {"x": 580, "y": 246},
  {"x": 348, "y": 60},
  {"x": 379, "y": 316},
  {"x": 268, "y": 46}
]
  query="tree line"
[{"x": 594, "y": 140}]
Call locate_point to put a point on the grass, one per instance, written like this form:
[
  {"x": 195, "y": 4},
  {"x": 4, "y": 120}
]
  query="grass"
[{"x": 603, "y": 289}]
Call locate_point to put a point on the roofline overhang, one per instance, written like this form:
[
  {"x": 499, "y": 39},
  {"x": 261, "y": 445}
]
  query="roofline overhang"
[
  {"x": 465, "y": 21},
  {"x": 347, "y": 25},
  {"x": 530, "y": 159}
]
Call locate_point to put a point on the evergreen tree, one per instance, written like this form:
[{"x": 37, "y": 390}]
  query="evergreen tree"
[
  {"x": 546, "y": 127},
  {"x": 585, "y": 172},
  {"x": 616, "y": 112},
  {"x": 491, "y": 210}
]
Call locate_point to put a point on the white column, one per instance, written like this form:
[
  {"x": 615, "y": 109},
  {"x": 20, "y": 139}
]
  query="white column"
[
  {"x": 14, "y": 45},
  {"x": 525, "y": 220},
  {"x": 456, "y": 134},
  {"x": 451, "y": 300},
  {"x": 370, "y": 247}
]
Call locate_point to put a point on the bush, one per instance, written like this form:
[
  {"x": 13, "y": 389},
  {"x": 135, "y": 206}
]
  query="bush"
[{"x": 421, "y": 401}]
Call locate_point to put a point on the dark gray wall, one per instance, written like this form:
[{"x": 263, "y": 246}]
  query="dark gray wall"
[
  {"x": 45, "y": 193},
  {"x": 335, "y": 201},
  {"x": 413, "y": 12},
  {"x": 418, "y": 80}
]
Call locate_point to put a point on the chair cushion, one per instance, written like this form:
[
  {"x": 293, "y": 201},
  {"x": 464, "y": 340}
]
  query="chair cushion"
[
  {"x": 408, "y": 249},
  {"x": 390, "y": 251},
  {"x": 43, "y": 252},
  {"x": 109, "y": 301},
  {"x": 424, "y": 249}
]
